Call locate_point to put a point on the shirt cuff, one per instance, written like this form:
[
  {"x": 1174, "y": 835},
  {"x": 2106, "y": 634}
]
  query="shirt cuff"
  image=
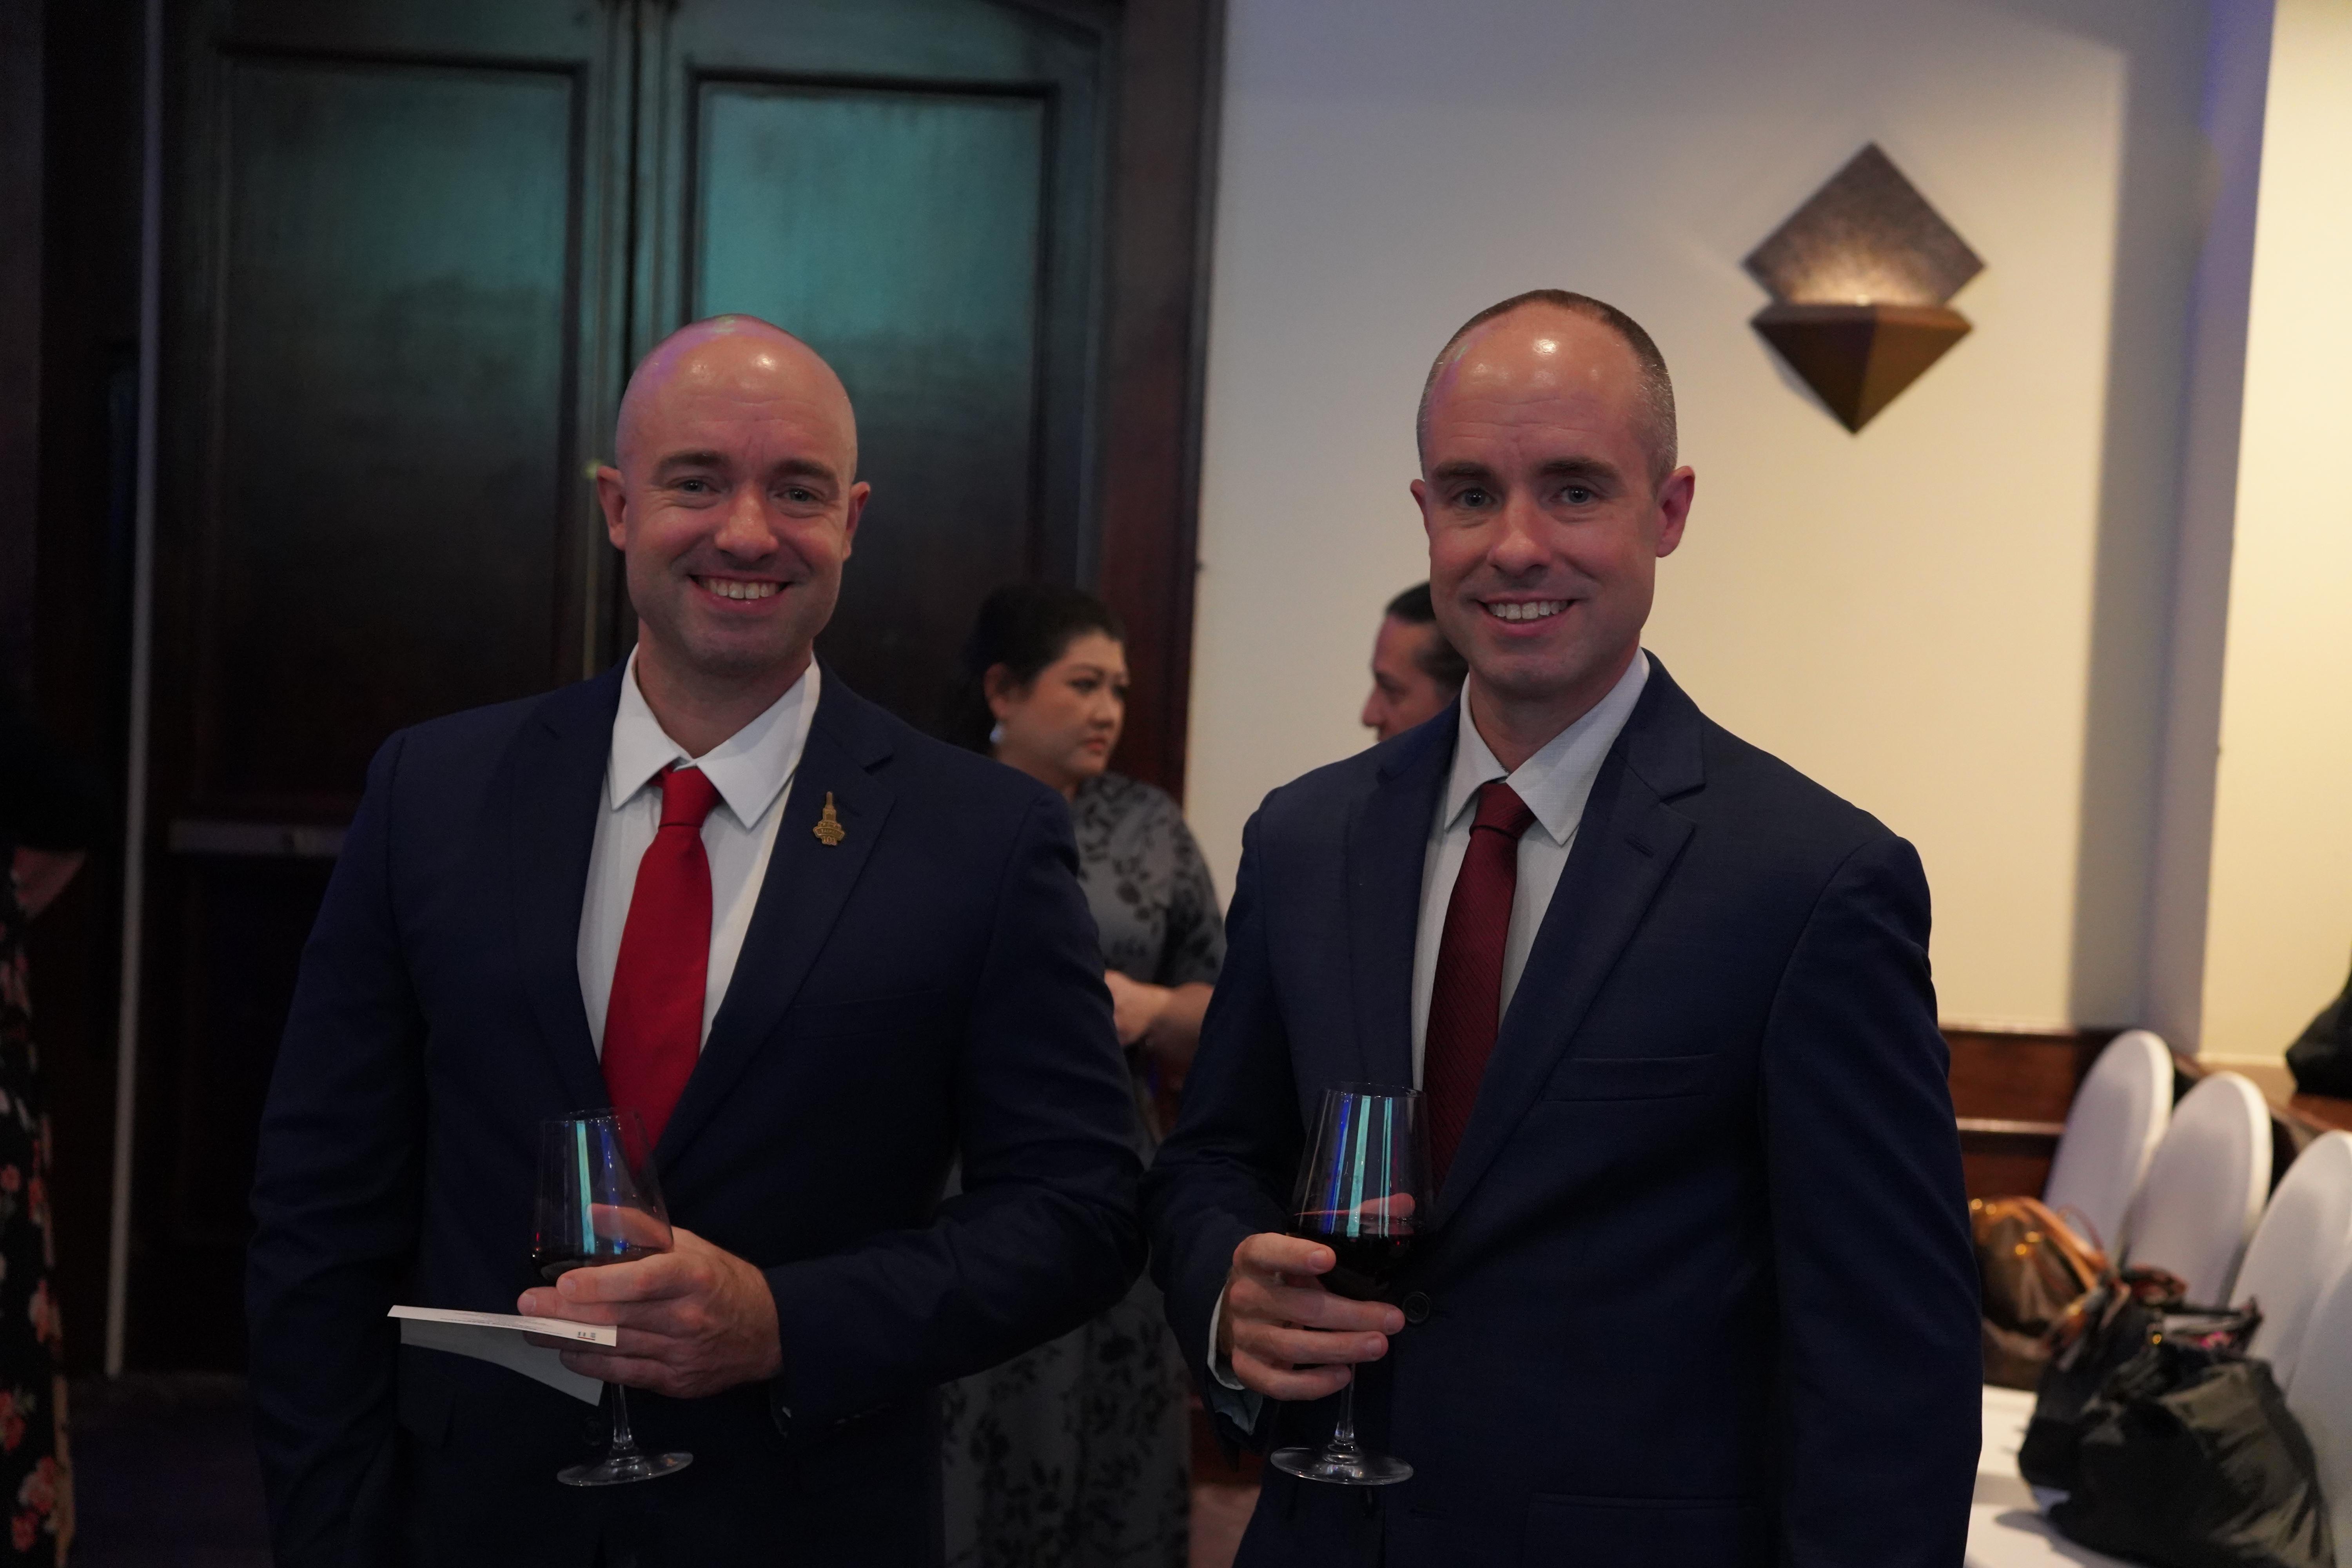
[{"x": 1228, "y": 1397}]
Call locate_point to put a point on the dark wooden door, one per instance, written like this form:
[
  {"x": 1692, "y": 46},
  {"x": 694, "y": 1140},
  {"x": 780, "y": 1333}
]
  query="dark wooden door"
[
  {"x": 412, "y": 248},
  {"x": 394, "y": 323},
  {"x": 916, "y": 189}
]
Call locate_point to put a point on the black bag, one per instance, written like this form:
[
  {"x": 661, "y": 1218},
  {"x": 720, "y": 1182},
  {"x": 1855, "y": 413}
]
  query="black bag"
[
  {"x": 2100, "y": 1333},
  {"x": 2189, "y": 1458},
  {"x": 2322, "y": 1059}
]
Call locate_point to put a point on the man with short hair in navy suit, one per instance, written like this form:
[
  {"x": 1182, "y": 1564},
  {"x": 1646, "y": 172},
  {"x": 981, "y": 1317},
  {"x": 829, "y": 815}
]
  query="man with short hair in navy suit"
[
  {"x": 1698, "y": 1287},
  {"x": 824, "y": 957}
]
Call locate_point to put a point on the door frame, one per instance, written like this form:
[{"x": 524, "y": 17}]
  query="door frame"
[{"x": 1154, "y": 353}]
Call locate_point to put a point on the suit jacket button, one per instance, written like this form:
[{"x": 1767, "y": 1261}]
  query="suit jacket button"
[{"x": 1416, "y": 1307}]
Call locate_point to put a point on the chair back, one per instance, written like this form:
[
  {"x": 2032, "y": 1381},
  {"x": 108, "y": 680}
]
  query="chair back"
[
  {"x": 2321, "y": 1400},
  {"x": 2118, "y": 1117},
  {"x": 2204, "y": 1187},
  {"x": 2303, "y": 1241}
]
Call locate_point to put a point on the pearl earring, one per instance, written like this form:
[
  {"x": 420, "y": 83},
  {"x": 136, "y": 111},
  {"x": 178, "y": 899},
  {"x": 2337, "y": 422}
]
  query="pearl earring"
[{"x": 996, "y": 735}]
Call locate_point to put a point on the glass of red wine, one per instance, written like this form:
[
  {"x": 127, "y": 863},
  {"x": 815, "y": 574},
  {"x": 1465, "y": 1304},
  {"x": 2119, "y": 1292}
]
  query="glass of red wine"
[
  {"x": 1362, "y": 1191},
  {"x": 599, "y": 1203}
]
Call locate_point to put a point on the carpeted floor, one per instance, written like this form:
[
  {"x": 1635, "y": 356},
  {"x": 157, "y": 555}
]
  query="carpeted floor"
[
  {"x": 165, "y": 1475},
  {"x": 1221, "y": 1512}
]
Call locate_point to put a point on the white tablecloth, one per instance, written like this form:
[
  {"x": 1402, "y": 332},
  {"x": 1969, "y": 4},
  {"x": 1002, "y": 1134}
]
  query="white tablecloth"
[{"x": 2006, "y": 1529}]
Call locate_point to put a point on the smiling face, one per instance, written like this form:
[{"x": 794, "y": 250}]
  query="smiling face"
[
  {"x": 734, "y": 503},
  {"x": 1543, "y": 526},
  {"x": 1063, "y": 726}
]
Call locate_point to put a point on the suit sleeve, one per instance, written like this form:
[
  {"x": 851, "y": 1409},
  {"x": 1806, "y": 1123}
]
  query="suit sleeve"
[
  {"x": 336, "y": 1203},
  {"x": 1044, "y": 1235},
  {"x": 1881, "y": 1363},
  {"x": 1226, "y": 1171}
]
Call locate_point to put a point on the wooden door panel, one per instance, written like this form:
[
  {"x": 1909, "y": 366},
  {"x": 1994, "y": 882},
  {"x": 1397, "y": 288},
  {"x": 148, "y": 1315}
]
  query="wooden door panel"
[
  {"x": 899, "y": 232},
  {"x": 917, "y": 189},
  {"x": 235, "y": 928},
  {"x": 391, "y": 312},
  {"x": 394, "y": 483}
]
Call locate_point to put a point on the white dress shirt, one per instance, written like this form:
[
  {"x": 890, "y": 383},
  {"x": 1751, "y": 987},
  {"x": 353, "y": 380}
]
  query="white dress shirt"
[
  {"x": 751, "y": 769},
  {"x": 1555, "y": 784}
]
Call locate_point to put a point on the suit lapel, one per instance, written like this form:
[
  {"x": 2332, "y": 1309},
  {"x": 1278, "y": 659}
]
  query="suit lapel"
[
  {"x": 1626, "y": 844},
  {"x": 807, "y": 883},
  {"x": 1387, "y": 847},
  {"x": 556, "y": 790}
]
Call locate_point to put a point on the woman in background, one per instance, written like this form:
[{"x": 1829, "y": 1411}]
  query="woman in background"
[
  {"x": 1076, "y": 1454},
  {"x": 48, "y": 812}
]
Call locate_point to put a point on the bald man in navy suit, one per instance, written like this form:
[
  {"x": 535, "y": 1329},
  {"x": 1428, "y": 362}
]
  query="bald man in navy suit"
[
  {"x": 1696, "y": 1285},
  {"x": 823, "y": 956}
]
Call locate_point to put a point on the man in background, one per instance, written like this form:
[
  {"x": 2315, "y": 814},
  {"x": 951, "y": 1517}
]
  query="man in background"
[
  {"x": 1416, "y": 673},
  {"x": 824, "y": 957}
]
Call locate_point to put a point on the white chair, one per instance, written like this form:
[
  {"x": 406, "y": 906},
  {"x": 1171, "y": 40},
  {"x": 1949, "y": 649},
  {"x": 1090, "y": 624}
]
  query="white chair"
[
  {"x": 2303, "y": 1241},
  {"x": 2116, "y": 1121},
  {"x": 2204, "y": 1187},
  {"x": 2322, "y": 1400}
]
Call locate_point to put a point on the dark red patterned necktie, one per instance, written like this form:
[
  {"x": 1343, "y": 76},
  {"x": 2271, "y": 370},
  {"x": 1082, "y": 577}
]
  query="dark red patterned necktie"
[
  {"x": 653, "y": 1026},
  {"x": 1465, "y": 1001}
]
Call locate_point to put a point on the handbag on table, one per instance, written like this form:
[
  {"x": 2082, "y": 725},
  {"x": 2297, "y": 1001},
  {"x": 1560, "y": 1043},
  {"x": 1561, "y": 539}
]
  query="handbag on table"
[
  {"x": 2173, "y": 1446},
  {"x": 2032, "y": 1267}
]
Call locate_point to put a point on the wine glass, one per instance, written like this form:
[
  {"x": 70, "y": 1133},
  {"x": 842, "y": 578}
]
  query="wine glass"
[
  {"x": 599, "y": 1203},
  {"x": 1362, "y": 1193}
]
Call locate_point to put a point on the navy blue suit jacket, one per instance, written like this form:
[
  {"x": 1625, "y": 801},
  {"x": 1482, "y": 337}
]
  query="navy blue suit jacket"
[
  {"x": 1701, "y": 1289},
  {"x": 929, "y": 989}
]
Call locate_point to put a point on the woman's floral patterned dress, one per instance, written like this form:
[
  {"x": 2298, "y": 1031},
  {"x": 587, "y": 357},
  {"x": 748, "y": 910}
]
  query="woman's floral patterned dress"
[
  {"x": 36, "y": 1482},
  {"x": 1078, "y": 1455}
]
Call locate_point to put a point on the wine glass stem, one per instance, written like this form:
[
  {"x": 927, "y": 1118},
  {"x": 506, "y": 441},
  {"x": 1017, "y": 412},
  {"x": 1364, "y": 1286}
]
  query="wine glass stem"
[
  {"x": 1343, "y": 1436},
  {"x": 624, "y": 1441}
]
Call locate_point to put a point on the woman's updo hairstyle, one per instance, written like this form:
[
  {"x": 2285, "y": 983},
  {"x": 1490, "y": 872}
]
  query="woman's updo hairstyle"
[{"x": 1024, "y": 626}]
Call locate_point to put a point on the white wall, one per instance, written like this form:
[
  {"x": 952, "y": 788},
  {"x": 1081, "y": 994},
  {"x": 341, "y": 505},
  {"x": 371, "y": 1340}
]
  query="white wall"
[
  {"x": 2280, "y": 917},
  {"x": 1941, "y": 617}
]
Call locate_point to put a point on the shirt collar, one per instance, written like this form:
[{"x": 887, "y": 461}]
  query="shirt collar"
[
  {"x": 1554, "y": 782},
  {"x": 750, "y": 768}
]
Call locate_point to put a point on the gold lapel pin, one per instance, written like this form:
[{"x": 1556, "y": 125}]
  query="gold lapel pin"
[{"x": 828, "y": 829}]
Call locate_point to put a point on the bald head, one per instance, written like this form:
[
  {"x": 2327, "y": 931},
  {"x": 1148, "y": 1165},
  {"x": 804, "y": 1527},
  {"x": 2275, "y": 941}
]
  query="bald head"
[
  {"x": 1541, "y": 495},
  {"x": 734, "y": 503},
  {"x": 741, "y": 363},
  {"x": 1483, "y": 346}
]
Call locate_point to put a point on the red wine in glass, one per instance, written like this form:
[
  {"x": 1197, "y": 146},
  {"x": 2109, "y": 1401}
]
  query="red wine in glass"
[
  {"x": 548, "y": 1267},
  {"x": 1363, "y": 1191},
  {"x": 1366, "y": 1262}
]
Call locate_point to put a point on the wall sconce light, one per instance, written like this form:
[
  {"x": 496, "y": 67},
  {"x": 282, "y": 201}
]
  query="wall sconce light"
[{"x": 1859, "y": 276}]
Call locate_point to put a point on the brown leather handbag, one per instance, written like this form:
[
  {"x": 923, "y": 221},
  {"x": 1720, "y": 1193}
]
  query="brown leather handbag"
[{"x": 2033, "y": 1265}]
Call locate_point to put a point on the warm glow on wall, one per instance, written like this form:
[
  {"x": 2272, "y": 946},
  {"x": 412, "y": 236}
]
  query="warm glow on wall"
[{"x": 1859, "y": 276}]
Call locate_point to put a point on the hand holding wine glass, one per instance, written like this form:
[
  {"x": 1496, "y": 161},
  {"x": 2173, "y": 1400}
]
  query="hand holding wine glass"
[
  {"x": 1285, "y": 1335},
  {"x": 1362, "y": 1199},
  {"x": 600, "y": 1203}
]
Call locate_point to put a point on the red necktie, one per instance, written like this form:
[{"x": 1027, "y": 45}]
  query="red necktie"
[
  {"x": 652, "y": 1025},
  {"x": 1465, "y": 1003}
]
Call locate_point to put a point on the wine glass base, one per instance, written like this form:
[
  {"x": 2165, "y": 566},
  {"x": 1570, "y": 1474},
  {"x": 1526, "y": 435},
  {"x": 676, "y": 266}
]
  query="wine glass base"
[
  {"x": 620, "y": 1469},
  {"x": 1340, "y": 1469}
]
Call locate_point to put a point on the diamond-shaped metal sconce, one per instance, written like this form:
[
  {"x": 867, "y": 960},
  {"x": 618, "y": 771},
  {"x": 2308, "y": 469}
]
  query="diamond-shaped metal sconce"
[{"x": 1859, "y": 276}]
